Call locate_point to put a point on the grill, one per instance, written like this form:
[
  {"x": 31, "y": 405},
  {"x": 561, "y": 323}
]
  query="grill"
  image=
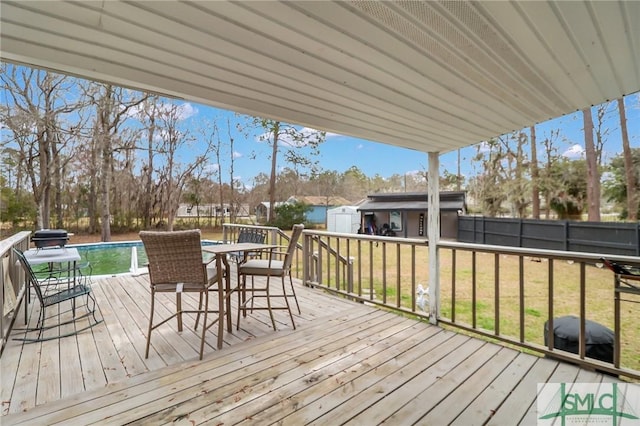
[{"x": 50, "y": 238}]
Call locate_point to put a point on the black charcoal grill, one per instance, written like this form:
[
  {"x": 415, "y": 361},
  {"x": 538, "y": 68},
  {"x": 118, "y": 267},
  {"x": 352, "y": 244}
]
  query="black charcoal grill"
[{"x": 50, "y": 238}]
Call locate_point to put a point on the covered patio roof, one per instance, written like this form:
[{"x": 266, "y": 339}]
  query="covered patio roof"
[
  {"x": 431, "y": 76},
  {"x": 412, "y": 201}
]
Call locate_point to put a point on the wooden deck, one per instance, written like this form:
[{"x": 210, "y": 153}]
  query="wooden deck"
[{"x": 346, "y": 363}]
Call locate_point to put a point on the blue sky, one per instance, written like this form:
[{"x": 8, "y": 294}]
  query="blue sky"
[{"x": 339, "y": 153}]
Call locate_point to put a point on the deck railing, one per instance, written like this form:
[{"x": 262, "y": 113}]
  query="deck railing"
[
  {"x": 379, "y": 270},
  {"x": 13, "y": 282},
  {"x": 512, "y": 295}
]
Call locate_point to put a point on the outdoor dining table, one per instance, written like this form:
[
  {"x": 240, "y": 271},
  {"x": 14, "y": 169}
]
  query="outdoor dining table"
[
  {"x": 220, "y": 251},
  {"x": 51, "y": 256}
]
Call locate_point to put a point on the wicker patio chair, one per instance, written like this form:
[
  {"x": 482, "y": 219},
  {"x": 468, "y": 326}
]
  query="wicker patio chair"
[
  {"x": 74, "y": 289},
  {"x": 271, "y": 267},
  {"x": 176, "y": 266}
]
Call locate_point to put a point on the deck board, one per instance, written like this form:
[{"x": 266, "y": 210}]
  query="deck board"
[
  {"x": 413, "y": 378},
  {"x": 523, "y": 395},
  {"x": 491, "y": 397},
  {"x": 314, "y": 376},
  {"x": 462, "y": 394},
  {"x": 346, "y": 363}
]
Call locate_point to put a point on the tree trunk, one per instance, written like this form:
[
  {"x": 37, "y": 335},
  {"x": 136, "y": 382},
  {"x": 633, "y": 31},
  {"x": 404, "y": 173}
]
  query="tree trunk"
[
  {"x": 220, "y": 191},
  {"x": 57, "y": 184},
  {"x": 458, "y": 174},
  {"x": 171, "y": 215},
  {"x": 105, "y": 207},
  {"x": 45, "y": 181},
  {"x": 233, "y": 198},
  {"x": 593, "y": 176},
  {"x": 272, "y": 178},
  {"x": 521, "y": 198},
  {"x": 148, "y": 177},
  {"x": 105, "y": 170},
  {"x": 93, "y": 183},
  {"x": 632, "y": 197},
  {"x": 535, "y": 191}
]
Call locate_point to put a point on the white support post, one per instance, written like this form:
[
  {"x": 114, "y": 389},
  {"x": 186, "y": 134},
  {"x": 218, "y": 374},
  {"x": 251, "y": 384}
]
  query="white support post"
[
  {"x": 433, "y": 235},
  {"x": 134, "y": 261}
]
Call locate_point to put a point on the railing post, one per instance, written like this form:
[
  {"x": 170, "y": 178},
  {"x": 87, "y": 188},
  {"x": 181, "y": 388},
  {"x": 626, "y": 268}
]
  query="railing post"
[
  {"x": 305, "y": 259},
  {"x": 350, "y": 274},
  {"x": 225, "y": 230},
  {"x": 433, "y": 235}
]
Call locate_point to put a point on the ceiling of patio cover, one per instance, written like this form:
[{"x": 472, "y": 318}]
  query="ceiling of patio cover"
[{"x": 431, "y": 76}]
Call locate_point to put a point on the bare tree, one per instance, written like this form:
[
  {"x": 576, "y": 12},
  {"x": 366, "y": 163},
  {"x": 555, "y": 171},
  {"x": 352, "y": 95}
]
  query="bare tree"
[
  {"x": 535, "y": 175},
  {"x": 233, "y": 199},
  {"x": 36, "y": 102},
  {"x": 301, "y": 145},
  {"x": 148, "y": 115},
  {"x": 113, "y": 106},
  {"x": 174, "y": 173},
  {"x": 546, "y": 180},
  {"x": 514, "y": 179},
  {"x": 632, "y": 197},
  {"x": 593, "y": 174},
  {"x": 211, "y": 135},
  {"x": 490, "y": 183}
]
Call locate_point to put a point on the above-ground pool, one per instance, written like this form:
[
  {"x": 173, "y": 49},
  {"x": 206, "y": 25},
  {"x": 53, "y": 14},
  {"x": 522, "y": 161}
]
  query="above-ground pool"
[{"x": 115, "y": 258}]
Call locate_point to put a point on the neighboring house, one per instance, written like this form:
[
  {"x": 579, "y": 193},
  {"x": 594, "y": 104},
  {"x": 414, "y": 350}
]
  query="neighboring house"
[
  {"x": 319, "y": 206},
  {"x": 404, "y": 213},
  {"x": 210, "y": 210},
  {"x": 262, "y": 211}
]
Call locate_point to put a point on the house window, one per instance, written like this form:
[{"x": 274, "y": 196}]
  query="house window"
[{"x": 395, "y": 221}]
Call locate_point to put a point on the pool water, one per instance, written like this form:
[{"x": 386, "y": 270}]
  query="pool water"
[{"x": 114, "y": 258}]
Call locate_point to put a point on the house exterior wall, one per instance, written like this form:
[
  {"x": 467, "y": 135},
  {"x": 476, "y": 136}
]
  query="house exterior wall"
[{"x": 317, "y": 215}]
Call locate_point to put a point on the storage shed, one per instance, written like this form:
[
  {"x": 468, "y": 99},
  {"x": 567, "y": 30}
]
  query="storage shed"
[
  {"x": 343, "y": 219},
  {"x": 403, "y": 214}
]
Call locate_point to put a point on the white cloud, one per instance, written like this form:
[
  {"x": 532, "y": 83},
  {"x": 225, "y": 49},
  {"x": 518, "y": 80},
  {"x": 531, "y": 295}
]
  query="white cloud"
[
  {"x": 186, "y": 110},
  {"x": 360, "y": 146},
  {"x": 212, "y": 167},
  {"x": 484, "y": 147},
  {"x": 236, "y": 154},
  {"x": 574, "y": 152},
  {"x": 285, "y": 139}
]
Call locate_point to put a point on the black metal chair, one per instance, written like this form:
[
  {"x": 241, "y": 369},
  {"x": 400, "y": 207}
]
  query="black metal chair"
[
  {"x": 248, "y": 235},
  {"x": 47, "y": 298}
]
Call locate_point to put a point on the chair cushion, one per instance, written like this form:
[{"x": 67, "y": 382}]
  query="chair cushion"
[
  {"x": 212, "y": 275},
  {"x": 261, "y": 267}
]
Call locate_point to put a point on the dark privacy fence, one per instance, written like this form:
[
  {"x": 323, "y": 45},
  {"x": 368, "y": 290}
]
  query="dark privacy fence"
[{"x": 593, "y": 237}]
